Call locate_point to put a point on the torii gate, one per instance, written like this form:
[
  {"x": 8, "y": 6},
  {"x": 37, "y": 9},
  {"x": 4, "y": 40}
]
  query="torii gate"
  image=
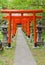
[{"x": 23, "y": 19}]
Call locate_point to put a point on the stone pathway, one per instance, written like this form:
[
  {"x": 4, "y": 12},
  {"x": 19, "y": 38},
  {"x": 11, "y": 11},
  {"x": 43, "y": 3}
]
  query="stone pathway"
[{"x": 23, "y": 55}]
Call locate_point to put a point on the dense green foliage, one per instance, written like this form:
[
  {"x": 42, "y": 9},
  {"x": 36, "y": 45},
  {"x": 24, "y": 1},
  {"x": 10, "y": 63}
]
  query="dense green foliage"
[{"x": 22, "y": 4}]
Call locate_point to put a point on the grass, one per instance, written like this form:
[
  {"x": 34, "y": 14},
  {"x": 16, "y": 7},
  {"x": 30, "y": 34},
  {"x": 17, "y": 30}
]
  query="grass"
[
  {"x": 1, "y": 36},
  {"x": 39, "y": 54},
  {"x": 7, "y": 55}
]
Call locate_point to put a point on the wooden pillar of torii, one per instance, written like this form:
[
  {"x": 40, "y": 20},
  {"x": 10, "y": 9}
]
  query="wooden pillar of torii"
[
  {"x": 13, "y": 24},
  {"x": 22, "y": 11}
]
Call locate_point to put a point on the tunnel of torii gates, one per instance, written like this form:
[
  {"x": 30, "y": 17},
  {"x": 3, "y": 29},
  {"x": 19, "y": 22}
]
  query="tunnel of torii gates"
[{"x": 13, "y": 21}]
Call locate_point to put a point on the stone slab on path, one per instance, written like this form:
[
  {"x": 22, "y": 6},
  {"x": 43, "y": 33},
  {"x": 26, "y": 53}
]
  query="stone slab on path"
[{"x": 23, "y": 55}]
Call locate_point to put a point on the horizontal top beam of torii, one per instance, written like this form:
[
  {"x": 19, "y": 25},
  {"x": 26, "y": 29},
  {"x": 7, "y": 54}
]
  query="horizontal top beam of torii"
[
  {"x": 30, "y": 17},
  {"x": 21, "y": 11}
]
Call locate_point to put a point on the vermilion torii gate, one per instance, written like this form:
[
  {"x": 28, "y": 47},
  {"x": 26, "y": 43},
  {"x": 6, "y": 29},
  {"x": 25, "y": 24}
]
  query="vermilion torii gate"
[{"x": 23, "y": 20}]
